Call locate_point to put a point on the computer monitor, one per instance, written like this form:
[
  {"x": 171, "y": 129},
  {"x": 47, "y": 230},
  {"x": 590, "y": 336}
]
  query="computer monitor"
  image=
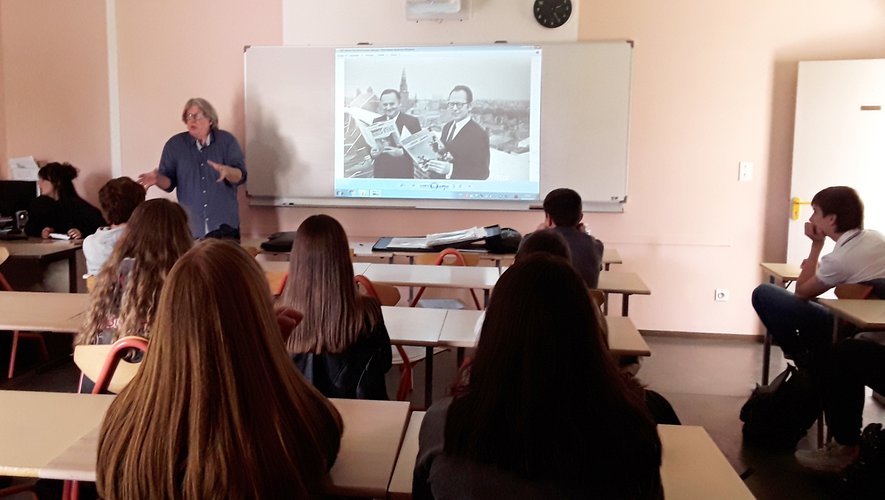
[{"x": 15, "y": 196}]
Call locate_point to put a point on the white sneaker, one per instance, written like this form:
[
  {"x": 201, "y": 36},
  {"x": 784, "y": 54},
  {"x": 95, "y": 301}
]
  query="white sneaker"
[{"x": 833, "y": 457}]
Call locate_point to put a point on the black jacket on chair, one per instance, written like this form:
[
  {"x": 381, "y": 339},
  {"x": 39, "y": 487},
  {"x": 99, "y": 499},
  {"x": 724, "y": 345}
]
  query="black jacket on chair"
[{"x": 356, "y": 373}]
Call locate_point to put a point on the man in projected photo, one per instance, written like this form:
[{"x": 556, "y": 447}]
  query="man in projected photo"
[
  {"x": 393, "y": 162},
  {"x": 464, "y": 140}
]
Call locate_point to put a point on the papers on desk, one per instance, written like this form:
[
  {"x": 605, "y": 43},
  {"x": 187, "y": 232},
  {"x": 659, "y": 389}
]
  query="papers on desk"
[
  {"x": 463, "y": 236},
  {"x": 23, "y": 169},
  {"x": 437, "y": 241}
]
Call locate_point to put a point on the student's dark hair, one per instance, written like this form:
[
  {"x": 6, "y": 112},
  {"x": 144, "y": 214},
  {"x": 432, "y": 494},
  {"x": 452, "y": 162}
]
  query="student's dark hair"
[
  {"x": 845, "y": 203},
  {"x": 118, "y": 199},
  {"x": 563, "y": 205},
  {"x": 391, "y": 91},
  {"x": 61, "y": 176},
  {"x": 544, "y": 399},
  {"x": 547, "y": 241},
  {"x": 465, "y": 89}
]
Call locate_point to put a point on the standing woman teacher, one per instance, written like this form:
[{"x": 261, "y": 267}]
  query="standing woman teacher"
[{"x": 206, "y": 164}]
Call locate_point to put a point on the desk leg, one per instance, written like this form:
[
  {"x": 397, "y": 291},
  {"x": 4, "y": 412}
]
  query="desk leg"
[
  {"x": 428, "y": 378},
  {"x": 485, "y": 298},
  {"x": 605, "y": 303},
  {"x": 459, "y": 358},
  {"x": 607, "y": 265},
  {"x": 625, "y": 304},
  {"x": 72, "y": 272}
]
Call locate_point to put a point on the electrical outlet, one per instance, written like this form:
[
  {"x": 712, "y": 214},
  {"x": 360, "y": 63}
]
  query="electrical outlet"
[
  {"x": 720, "y": 295},
  {"x": 745, "y": 171}
]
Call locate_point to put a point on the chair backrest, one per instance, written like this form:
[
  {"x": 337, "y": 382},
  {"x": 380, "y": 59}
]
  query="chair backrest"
[
  {"x": 448, "y": 257},
  {"x": 4, "y": 285},
  {"x": 853, "y": 291},
  {"x": 877, "y": 288},
  {"x": 102, "y": 363},
  {"x": 386, "y": 294}
]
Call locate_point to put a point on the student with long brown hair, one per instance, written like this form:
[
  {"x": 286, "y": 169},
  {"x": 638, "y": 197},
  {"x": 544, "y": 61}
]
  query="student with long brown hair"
[
  {"x": 342, "y": 346},
  {"x": 124, "y": 299},
  {"x": 544, "y": 411},
  {"x": 217, "y": 409}
]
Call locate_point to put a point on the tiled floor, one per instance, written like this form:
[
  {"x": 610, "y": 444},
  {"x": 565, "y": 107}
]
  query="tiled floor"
[{"x": 706, "y": 380}]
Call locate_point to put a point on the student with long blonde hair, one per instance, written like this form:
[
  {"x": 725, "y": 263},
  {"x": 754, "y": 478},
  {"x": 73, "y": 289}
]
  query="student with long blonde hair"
[
  {"x": 342, "y": 346},
  {"x": 217, "y": 409},
  {"x": 124, "y": 299}
]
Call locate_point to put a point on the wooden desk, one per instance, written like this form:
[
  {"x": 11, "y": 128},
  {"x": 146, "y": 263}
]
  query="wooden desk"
[
  {"x": 417, "y": 326},
  {"x": 624, "y": 339},
  {"x": 42, "y": 311},
  {"x": 41, "y": 441},
  {"x": 609, "y": 256},
  {"x": 866, "y": 314},
  {"x": 624, "y": 283},
  {"x": 44, "y": 252},
  {"x": 483, "y": 278},
  {"x": 36, "y": 427},
  {"x": 459, "y": 330},
  {"x": 277, "y": 270},
  {"x": 401, "y": 481},
  {"x": 780, "y": 273},
  {"x": 692, "y": 466}
]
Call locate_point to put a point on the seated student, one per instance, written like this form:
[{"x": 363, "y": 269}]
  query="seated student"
[
  {"x": 59, "y": 209},
  {"x": 550, "y": 242},
  {"x": 547, "y": 241},
  {"x": 850, "y": 366},
  {"x": 342, "y": 346},
  {"x": 118, "y": 198},
  {"x": 217, "y": 409},
  {"x": 543, "y": 411},
  {"x": 802, "y": 328},
  {"x": 124, "y": 300},
  {"x": 563, "y": 213}
]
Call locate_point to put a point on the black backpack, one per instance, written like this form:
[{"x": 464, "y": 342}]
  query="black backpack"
[{"x": 777, "y": 415}]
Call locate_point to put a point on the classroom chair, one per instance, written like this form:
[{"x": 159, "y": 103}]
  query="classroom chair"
[
  {"x": 389, "y": 296},
  {"x": 112, "y": 376},
  {"x": 18, "y": 335},
  {"x": 447, "y": 257},
  {"x": 101, "y": 363}
]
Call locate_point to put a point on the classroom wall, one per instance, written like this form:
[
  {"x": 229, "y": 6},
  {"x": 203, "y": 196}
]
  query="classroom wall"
[
  {"x": 4, "y": 168},
  {"x": 713, "y": 85},
  {"x": 55, "y": 81}
]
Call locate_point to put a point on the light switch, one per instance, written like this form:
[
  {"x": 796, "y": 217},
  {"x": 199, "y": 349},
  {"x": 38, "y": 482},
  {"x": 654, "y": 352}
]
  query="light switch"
[{"x": 745, "y": 171}]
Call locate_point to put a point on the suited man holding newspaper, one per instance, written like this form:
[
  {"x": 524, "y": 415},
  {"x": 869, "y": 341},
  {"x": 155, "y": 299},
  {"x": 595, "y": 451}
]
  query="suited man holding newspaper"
[
  {"x": 392, "y": 162},
  {"x": 465, "y": 141}
]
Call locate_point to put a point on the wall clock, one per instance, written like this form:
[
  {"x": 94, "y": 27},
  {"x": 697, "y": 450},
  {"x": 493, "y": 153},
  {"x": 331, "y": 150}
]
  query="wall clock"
[{"x": 552, "y": 13}]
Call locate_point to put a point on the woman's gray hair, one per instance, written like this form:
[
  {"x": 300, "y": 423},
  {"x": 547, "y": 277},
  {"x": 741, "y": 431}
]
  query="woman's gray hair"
[{"x": 205, "y": 107}]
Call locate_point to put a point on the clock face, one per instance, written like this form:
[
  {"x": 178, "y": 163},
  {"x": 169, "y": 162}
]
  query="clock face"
[{"x": 552, "y": 13}]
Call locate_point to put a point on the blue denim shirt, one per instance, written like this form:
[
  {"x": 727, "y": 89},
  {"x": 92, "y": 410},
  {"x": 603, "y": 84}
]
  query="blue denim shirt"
[{"x": 208, "y": 203}]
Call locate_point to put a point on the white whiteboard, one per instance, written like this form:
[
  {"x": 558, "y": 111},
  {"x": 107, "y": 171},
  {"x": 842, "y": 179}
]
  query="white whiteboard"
[{"x": 290, "y": 147}]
